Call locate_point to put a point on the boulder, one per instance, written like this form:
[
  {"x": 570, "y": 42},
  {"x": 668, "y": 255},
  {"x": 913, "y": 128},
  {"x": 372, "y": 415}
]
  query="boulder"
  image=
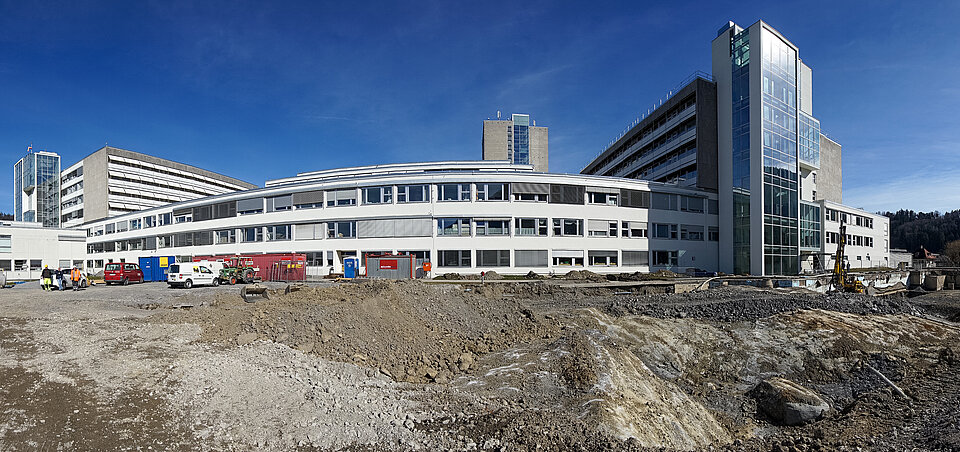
[{"x": 787, "y": 403}]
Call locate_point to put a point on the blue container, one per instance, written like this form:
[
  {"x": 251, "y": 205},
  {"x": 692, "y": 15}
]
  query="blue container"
[
  {"x": 350, "y": 268},
  {"x": 155, "y": 267}
]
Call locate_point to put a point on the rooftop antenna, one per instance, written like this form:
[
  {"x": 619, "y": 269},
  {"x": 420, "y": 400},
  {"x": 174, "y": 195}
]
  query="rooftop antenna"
[{"x": 498, "y": 115}]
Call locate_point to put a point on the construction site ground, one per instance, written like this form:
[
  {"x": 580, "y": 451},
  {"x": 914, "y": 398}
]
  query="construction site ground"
[{"x": 380, "y": 365}]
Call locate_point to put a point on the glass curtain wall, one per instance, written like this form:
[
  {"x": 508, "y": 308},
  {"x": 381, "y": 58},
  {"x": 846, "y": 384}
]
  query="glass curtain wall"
[
  {"x": 48, "y": 190},
  {"x": 740, "y": 53},
  {"x": 18, "y": 191},
  {"x": 521, "y": 139},
  {"x": 780, "y": 178}
]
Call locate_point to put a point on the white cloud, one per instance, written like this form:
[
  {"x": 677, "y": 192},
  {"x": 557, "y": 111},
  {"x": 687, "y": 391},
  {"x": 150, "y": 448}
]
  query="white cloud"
[{"x": 924, "y": 192}]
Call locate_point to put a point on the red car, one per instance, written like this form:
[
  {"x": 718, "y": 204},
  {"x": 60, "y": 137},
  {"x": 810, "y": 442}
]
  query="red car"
[{"x": 122, "y": 273}]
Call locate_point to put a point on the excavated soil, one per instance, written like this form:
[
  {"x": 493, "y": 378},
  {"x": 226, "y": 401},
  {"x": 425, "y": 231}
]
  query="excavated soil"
[{"x": 467, "y": 366}]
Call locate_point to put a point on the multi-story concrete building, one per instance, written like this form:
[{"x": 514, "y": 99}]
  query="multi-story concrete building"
[
  {"x": 36, "y": 188},
  {"x": 674, "y": 143},
  {"x": 760, "y": 148},
  {"x": 516, "y": 140},
  {"x": 464, "y": 217},
  {"x": 114, "y": 181}
]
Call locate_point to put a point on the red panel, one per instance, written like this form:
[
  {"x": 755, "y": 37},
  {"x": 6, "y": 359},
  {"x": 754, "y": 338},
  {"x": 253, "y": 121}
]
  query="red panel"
[{"x": 388, "y": 264}]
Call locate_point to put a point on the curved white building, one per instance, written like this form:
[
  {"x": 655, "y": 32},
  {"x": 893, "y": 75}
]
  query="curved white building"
[{"x": 463, "y": 217}]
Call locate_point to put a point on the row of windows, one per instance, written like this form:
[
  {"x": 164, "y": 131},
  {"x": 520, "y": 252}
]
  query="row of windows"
[
  {"x": 655, "y": 146},
  {"x": 453, "y": 192},
  {"x": 848, "y": 218},
  {"x": 561, "y": 258},
  {"x": 178, "y": 173},
  {"x": 852, "y": 240},
  {"x": 527, "y": 227},
  {"x": 647, "y": 130}
]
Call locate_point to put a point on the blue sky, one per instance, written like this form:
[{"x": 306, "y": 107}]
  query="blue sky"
[{"x": 262, "y": 90}]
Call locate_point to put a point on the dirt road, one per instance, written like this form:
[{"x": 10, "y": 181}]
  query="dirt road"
[{"x": 406, "y": 366}]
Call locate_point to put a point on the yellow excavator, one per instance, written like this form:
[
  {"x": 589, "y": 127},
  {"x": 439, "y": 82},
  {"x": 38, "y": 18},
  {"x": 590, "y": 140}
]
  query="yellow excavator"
[{"x": 842, "y": 280}]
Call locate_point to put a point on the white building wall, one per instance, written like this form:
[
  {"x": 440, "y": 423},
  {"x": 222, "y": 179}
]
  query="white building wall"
[
  {"x": 700, "y": 254},
  {"x": 25, "y": 248},
  {"x": 859, "y": 256}
]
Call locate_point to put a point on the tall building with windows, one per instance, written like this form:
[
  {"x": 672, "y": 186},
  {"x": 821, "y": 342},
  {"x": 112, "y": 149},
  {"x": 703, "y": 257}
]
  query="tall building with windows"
[
  {"x": 769, "y": 150},
  {"x": 36, "y": 188},
  {"x": 517, "y": 140},
  {"x": 113, "y": 181}
]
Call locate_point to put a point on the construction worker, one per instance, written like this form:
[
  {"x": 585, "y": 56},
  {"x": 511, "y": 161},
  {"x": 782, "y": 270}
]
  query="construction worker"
[
  {"x": 45, "y": 277},
  {"x": 75, "y": 278}
]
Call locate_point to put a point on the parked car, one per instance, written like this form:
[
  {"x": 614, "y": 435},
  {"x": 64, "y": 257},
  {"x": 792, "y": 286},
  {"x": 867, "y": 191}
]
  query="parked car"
[
  {"x": 189, "y": 274},
  {"x": 122, "y": 273}
]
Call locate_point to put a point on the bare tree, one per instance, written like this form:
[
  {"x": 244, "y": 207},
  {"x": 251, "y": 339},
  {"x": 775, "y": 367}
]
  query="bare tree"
[{"x": 952, "y": 251}]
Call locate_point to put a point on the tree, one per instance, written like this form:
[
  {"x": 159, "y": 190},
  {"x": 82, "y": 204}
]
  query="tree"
[{"x": 952, "y": 251}]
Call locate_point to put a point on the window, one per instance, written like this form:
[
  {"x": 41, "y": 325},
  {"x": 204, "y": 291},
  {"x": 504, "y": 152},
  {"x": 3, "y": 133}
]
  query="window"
[
  {"x": 691, "y": 232},
  {"x": 278, "y": 233},
  {"x": 493, "y": 192},
  {"x": 454, "y": 192},
  {"x": 664, "y": 231},
  {"x": 164, "y": 219},
  {"x": 341, "y": 229},
  {"x": 164, "y": 241},
  {"x": 492, "y": 227},
  {"x": 252, "y": 235},
  {"x": 713, "y": 234},
  {"x": 568, "y": 258},
  {"x": 633, "y": 229},
  {"x": 35, "y": 265},
  {"x": 493, "y": 258},
  {"x": 183, "y": 218},
  {"x": 664, "y": 201},
  {"x": 250, "y": 206},
  {"x": 338, "y": 198},
  {"x": 310, "y": 231},
  {"x": 149, "y": 222},
  {"x": 634, "y": 257},
  {"x": 135, "y": 224},
  {"x": 532, "y": 197},
  {"x": 531, "y": 226},
  {"x": 280, "y": 203},
  {"x": 664, "y": 258},
  {"x": 454, "y": 258},
  {"x": 567, "y": 227},
  {"x": 691, "y": 204},
  {"x": 6, "y": 244},
  {"x": 225, "y": 236},
  {"x": 602, "y": 258},
  {"x": 5, "y": 265},
  {"x": 602, "y": 228},
  {"x": 308, "y": 199},
  {"x": 123, "y": 226},
  {"x": 377, "y": 195},
  {"x": 453, "y": 226},
  {"x": 413, "y": 193},
  {"x": 530, "y": 258},
  {"x": 609, "y": 199}
]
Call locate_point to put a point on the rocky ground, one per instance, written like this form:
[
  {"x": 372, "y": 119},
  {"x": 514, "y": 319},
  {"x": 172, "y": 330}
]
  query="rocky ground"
[{"x": 463, "y": 366}]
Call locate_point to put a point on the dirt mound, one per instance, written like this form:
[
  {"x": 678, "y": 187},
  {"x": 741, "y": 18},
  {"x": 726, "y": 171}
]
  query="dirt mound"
[
  {"x": 584, "y": 275},
  {"x": 409, "y": 331}
]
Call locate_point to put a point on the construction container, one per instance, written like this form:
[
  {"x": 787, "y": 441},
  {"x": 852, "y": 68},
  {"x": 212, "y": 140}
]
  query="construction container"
[
  {"x": 155, "y": 267},
  {"x": 391, "y": 266},
  {"x": 933, "y": 282},
  {"x": 268, "y": 267},
  {"x": 350, "y": 268}
]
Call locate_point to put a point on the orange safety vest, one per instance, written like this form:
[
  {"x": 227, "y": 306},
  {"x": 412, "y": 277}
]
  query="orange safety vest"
[{"x": 75, "y": 274}]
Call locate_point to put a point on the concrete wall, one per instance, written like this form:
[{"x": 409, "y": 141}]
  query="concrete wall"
[
  {"x": 859, "y": 256},
  {"x": 495, "y": 139},
  {"x": 30, "y": 242},
  {"x": 539, "y": 148},
  {"x": 830, "y": 175},
  {"x": 96, "y": 204},
  {"x": 805, "y": 89}
]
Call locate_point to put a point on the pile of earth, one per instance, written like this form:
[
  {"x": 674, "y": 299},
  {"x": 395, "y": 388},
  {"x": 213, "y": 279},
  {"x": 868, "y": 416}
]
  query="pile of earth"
[
  {"x": 584, "y": 275},
  {"x": 641, "y": 276},
  {"x": 736, "y": 303},
  {"x": 409, "y": 331}
]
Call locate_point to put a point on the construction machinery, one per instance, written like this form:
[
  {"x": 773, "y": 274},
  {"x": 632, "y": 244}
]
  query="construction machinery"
[{"x": 842, "y": 280}]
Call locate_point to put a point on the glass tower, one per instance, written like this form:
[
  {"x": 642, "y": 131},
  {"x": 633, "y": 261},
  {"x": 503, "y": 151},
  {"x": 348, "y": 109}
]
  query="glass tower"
[
  {"x": 36, "y": 188},
  {"x": 768, "y": 143},
  {"x": 521, "y": 139}
]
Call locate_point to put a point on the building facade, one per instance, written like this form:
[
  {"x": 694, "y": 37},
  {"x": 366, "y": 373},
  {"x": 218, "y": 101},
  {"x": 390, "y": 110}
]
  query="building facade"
[
  {"x": 114, "y": 181},
  {"x": 463, "y": 217},
  {"x": 675, "y": 143},
  {"x": 36, "y": 188},
  {"x": 26, "y": 247},
  {"x": 517, "y": 140}
]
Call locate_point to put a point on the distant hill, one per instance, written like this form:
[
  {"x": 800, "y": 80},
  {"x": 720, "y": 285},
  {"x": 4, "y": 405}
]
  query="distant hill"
[{"x": 909, "y": 230}]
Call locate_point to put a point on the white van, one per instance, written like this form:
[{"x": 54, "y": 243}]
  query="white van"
[{"x": 188, "y": 274}]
